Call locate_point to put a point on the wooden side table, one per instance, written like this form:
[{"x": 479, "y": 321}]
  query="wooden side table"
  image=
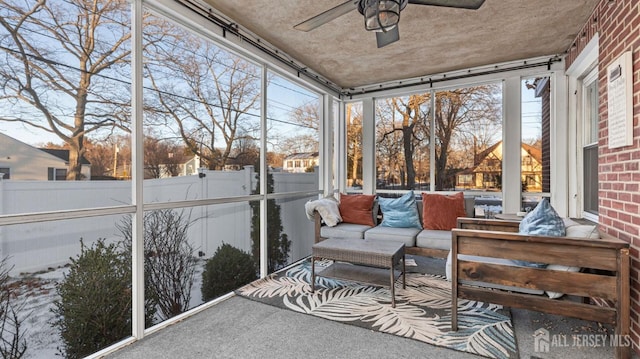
[{"x": 509, "y": 217}]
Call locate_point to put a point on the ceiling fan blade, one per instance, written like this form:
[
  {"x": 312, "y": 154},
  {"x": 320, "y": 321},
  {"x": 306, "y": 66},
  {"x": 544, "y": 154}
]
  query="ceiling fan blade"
[
  {"x": 461, "y": 4},
  {"x": 327, "y": 16},
  {"x": 385, "y": 38}
]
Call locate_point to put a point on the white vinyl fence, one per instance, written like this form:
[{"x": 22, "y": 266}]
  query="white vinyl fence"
[{"x": 37, "y": 246}]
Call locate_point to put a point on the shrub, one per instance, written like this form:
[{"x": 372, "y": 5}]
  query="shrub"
[
  {"x": 94, "y": 309},
  {"x": 228, "y": 269},
  {"x": 169, "y": 264},
  {"x": 13, "y": 344},
  {"x": 278, "y": 243}
]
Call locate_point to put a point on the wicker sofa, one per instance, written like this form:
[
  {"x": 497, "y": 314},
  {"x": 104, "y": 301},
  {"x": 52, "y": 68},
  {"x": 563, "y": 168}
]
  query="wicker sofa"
[
  {"x": 600, "y": 273},
  {"x": 434, "y": 243}
]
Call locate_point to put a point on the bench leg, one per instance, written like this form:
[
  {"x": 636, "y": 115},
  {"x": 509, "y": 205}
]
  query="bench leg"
[
  {"x": 393, "y": 287},
  {"x": 313, "y": 274},
  {"x": 454, "y": 313},
  {"x": 404, "y": 272}
]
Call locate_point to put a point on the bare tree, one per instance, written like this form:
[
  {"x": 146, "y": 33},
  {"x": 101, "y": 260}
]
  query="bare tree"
[
  {"x": 458, "y": 112},
  {"x": 305, "y": 136},
  {"x": 207, "y": 93},
  {"x": 354, "y": 143},
  {"x": 162, "y": 157},
  {"x": 409, "y": 128},
  {"x": 307, "y": 116},
  {"x": 101, "y": 155},
  {"x": 62, "y": 68},
  {"x": 464, "y": 118},
  {"x": 169, "y": 265}
]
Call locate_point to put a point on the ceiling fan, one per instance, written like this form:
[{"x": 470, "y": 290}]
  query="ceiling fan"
[{"x": 381, "y": 16}]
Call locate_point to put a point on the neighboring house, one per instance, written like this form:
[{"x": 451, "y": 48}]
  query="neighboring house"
[
  {"x": 300, "y": 162},
  {"x": 233, "y": 164},
  {"x": 20, "y": 161},
  {"x": 188, "y": 168},
  {"x": 486, "y": 174}
]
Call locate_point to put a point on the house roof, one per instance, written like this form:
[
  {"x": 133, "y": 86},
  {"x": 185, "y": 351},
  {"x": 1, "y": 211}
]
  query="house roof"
[
  {"x": 534, "y": 152},
  {"x": 433, "y": 39},
  {"x": 64, "y": 155},
  {"x": 302, "y": 156}
]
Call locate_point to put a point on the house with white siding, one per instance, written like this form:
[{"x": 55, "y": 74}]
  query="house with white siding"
[{"x": 23, "y": 162}]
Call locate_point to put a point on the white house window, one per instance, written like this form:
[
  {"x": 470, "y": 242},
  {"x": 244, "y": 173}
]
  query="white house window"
[
  {"x": 56, "y": 174},
  {"x": 5, "y": 173}
]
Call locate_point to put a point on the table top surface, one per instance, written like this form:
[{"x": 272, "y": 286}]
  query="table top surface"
[
  {"x": 376, "y": 247},
  {"x": 509, "y": 216}
]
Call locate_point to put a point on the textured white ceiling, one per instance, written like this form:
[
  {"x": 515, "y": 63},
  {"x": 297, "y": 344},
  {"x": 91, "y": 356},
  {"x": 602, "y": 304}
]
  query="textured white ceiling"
[{"x": 432, "y": 39}]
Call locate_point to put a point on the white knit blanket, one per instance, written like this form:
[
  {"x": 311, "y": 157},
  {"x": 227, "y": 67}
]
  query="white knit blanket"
[{"x": 328, "y": 209}]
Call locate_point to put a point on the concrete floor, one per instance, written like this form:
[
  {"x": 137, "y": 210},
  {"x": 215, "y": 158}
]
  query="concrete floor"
[{"x": 242, "y": 328}]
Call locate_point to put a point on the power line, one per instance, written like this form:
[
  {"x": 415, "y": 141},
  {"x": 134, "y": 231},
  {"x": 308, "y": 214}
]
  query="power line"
[
  {"x": 55, "y": 63},
  {"x": 176, "y": 45}
]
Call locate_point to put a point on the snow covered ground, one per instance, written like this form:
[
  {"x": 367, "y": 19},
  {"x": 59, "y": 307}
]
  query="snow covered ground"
[{"x": 37, "y": 292}]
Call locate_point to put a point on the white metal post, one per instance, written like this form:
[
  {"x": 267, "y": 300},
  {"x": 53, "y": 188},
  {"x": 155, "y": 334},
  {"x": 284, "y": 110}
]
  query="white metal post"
[
  {"x": 325, "y": 128},
  {"x": 560, "y": 143},
  {"x": 137, "y": 246},
  {"x": 368, "y": 146},
  {"x": 264, "y": 269},
  {"x": 340, "y": 143},
  {"x": 432, "y": 141},
  {"x": 511, "y": 145}
]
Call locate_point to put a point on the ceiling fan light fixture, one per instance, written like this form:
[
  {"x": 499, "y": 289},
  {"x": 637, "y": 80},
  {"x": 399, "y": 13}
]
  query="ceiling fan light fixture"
[{"x": 382, "y": 15}]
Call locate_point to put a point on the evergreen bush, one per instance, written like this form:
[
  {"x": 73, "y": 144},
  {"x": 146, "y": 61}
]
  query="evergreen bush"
[
  {"x": 94, "y": 309},
  {"x": 278, "y": 243},
  {"x": 228, "y": 269}
]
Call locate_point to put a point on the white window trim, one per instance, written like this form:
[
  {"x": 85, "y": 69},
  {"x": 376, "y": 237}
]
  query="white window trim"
[
  {"x": 590, "y": 78},
  {"x": 582, "y": 68}
]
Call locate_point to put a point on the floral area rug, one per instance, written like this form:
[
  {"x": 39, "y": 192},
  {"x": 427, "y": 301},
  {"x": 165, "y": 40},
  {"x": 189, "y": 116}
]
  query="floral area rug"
[{"x": 422, "y": 312}]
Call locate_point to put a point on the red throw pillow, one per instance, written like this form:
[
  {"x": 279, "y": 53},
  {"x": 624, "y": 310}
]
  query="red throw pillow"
[
  {"x": 441, "y": 212},
  {"x": 357, "y": 208}
]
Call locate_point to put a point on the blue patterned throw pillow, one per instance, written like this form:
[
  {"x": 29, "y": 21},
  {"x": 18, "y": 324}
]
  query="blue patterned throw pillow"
[
  {"x": 400, "y": 212},
  {"x": 542, "y": 221}
]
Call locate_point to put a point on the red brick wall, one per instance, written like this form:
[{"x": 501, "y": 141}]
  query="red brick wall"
[{"x": 618, "y": 25}]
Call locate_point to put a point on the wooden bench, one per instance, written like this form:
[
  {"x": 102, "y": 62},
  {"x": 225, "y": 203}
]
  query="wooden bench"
[{"x": 605, "y": 273}]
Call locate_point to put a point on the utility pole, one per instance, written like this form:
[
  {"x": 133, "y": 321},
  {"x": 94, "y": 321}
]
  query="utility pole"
[{"x": 115, "y": 160}]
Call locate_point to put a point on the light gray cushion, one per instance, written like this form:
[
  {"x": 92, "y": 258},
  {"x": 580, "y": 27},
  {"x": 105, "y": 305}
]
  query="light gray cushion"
[
  {"x": 575, "y": 230},
  {"x": 568, "y": 222},
  {"x": 344, "y": 230},
  {"x": 583, "y": 231},
  {"x": 500, "y": 261},
  {"x": 561, "y": 268},
  {"x": 404, "y": 235},
  {"x": 434, "y": 239}
]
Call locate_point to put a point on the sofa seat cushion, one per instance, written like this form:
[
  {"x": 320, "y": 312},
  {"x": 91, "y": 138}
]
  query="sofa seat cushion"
[
  {"x": 500, "y": 261},
  {"x": 404, "y": 235},
  {"x": 434, "y": 239},
  {"x": 344, "y": 230}
]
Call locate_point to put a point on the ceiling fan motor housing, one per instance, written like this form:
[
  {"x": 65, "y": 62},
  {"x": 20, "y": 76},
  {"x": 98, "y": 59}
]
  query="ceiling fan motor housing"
[{"x": 381, "y": 15}]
